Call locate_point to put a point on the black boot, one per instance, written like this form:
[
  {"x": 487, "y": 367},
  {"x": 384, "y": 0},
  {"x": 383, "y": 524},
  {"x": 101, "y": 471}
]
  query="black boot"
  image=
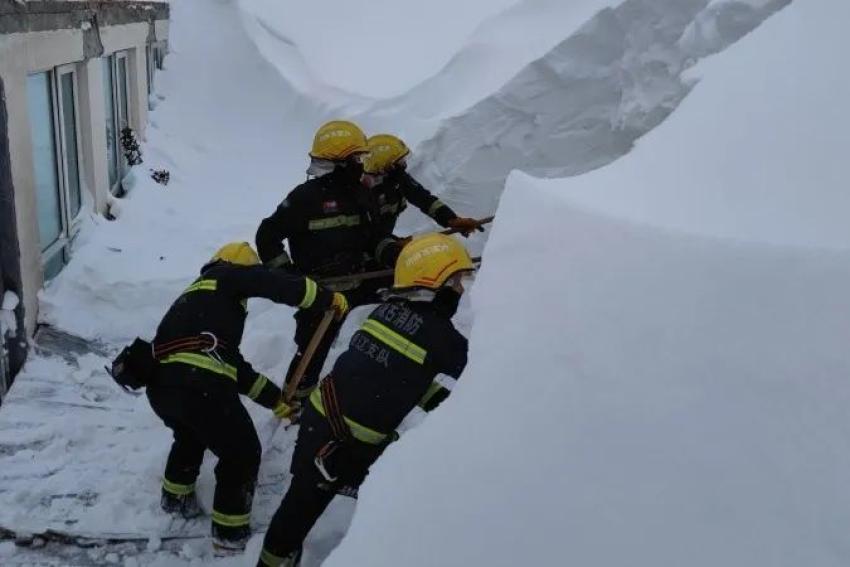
[
  {"x": 228, "y": 540},
  {"x": 186, "y": 506}
]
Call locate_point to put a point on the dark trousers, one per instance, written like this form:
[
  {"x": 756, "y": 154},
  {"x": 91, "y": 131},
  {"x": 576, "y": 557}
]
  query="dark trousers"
[
  {"x": 309, "y": 493},
  {"x": 306, "y": 323},
  {"x": 211, "y": 419}
]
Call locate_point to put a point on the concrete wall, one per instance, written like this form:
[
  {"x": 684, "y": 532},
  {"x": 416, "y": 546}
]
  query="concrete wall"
[
  {"x": 27, "y": 45},
  {"x": 10, "y": 272}
]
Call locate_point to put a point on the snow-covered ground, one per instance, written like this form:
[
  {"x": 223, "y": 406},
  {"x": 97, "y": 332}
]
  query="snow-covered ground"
[{"x": 656, "y": 346}]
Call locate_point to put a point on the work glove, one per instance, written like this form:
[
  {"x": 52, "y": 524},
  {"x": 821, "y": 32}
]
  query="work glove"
[
  {"x": 283, "y": 410},
  {"x": 465, "y": 225},
  {"x": 340, "y": 305}
]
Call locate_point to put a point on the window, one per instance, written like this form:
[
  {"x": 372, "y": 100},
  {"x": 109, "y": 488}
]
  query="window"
[
  {"x": 111, "y": 124},
  {"x": 53, "y": 112},
  {"x": 115, "y": 93}
]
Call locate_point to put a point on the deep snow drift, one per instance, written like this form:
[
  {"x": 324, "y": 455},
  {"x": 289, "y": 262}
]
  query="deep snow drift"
[
  {"x": 584, "y": 103},
  {"x": 640, "y": 394}
]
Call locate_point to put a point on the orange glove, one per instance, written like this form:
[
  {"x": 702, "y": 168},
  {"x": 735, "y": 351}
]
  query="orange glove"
[
  {"x": 340, "y": 305},
  {"x": 465, "y": 226}
]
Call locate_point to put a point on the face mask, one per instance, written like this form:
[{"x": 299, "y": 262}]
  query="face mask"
[
  {"x": 446, "y": 301},
  {"x": 320, "y": 167}
]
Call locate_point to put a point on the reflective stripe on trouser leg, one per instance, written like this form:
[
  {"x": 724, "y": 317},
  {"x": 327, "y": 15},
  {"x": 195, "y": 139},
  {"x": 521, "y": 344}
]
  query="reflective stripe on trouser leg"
[
  {"x": 231, "y": 520},
  {"x": 269, "y": 559},
  {"x": 176, "y": 488}
]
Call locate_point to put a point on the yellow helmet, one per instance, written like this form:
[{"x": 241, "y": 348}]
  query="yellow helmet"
[
  {"x": 239, "y": 253},
  {"x": 337, "y": 140},
  {"x": 429, "y": 261},
  {"x": 385, "y": 150}
]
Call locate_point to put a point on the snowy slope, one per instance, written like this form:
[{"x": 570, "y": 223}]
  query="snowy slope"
[
  {"x": 649, "y": 387},
  {"x": 583, "y": 103},
  {"x": 388, "y": 45}
]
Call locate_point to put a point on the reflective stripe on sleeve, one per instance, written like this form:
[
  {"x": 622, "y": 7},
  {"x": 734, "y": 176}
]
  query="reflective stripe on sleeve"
[
  {"x": 379, "y": 251},
  {"x": 310, "y": 289},
  {"x": 435, "y": 206},
  {"x": 258, "y": 386},
  {"x": 395, "y": 341},
  {"x": 430, "y": 393}
]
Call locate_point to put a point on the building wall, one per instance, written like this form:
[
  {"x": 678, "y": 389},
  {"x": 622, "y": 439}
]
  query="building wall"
[
  {"x": 10, "y": 273},
  {"x": 26, "y": 47}
]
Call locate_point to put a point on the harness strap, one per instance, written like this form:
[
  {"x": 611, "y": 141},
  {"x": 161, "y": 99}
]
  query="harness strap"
[
  {"x": 333, "y": 412},
  {"x": 204, "y": 342}
]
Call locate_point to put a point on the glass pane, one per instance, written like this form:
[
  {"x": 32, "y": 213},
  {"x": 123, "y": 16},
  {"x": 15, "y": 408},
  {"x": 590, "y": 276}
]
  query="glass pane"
[
  {"x": 150, "y": 65},
  {"x": 54, "y": 265},
  {"x": 69, "y": 131},
  {"x": 44, "y": 159},
  {"x": 123, "y": 109},
  {"x": 111, "y": 142},
  {"x": 122, "y": 94}
]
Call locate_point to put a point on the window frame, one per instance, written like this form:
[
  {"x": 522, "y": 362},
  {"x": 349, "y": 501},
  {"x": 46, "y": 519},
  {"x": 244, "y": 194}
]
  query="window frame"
[{"x": 69, "y": 225}]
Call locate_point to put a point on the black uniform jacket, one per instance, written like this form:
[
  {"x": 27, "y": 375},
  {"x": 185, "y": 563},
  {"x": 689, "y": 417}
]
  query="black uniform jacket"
[
  {"x": 399, "y": 187},
  {"x": 393, "y": 359},
  {"x": 216, "y": 304},
  {"x": 332, "y": 229}
]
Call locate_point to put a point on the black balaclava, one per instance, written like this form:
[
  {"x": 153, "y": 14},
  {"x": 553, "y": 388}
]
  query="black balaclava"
[{"x": 446, "y": 301}]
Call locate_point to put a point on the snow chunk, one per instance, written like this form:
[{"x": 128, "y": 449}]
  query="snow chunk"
[{"x": 8, "y": 321}]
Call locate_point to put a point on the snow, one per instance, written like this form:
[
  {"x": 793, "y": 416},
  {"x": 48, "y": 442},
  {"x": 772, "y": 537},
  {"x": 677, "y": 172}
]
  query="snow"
[
  {"x": 658, "y": 357},
  {"x": 388, "y": 45},
  {"x": 615, "y": 317},
  {"x": 764, "y": 162},
  {"x": 8, "y": 321},
  {"x": 578, "y": 107}
]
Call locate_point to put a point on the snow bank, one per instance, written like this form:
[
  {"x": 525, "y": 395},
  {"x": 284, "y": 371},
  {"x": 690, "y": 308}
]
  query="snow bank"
[
  {"x": 498, "y": 50},
  {"x": 639, "y": 394},
  {"x": 579, "y": 106},
  {"x": 751, "y": 155},
  {"x": 388, "y": 46}
]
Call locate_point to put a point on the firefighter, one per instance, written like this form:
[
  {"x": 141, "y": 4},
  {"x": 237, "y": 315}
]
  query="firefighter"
[
  {"x": 390, "y": 367},
  {"x": 330, "y": 223},
  {"x": 199, "y": 375},
  {"x": 385, "y": 173}
]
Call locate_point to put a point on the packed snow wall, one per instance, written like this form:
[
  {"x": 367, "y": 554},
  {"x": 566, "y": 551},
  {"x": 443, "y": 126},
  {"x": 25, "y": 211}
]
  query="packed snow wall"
[
  {"x": 645, "y": 387},
  {"x": 584, "y": 103}
]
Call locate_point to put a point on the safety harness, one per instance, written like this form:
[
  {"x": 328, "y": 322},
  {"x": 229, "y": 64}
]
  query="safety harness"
[{"x": 199, "y": 350}]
